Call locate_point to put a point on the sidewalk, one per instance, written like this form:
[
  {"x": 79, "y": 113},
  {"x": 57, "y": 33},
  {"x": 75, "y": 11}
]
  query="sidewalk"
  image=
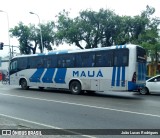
[{"x": 8, "y": 124}]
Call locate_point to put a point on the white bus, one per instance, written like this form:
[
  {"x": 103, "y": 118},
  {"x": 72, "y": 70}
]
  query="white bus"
[{"x": 117, "y": 68}]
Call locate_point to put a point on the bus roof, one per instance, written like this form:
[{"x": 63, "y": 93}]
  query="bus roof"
[{"x": 55, "y": 52}]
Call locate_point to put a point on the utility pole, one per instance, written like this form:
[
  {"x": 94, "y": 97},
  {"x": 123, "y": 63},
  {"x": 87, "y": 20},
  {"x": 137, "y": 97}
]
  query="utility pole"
[{"x": 11, "y": 52}]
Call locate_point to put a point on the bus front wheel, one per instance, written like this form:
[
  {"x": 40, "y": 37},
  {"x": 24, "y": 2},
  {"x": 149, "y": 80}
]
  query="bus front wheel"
[
  {"x": 24, "y": 84},
  {"x": 75, "y": 87}
]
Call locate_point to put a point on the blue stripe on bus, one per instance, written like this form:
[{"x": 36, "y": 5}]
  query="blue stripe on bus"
[
  {"x": 47, "y": 78},
  {"x": 141, "y": 65},
  {"x": 113, "y": 76},
  {"x": 118, "y": 76},
  {"x": 124, "y": 46},
  {"x": 37, "y": 75},
  {"x": 144, "y": 73},
  {"x": 139, "y": 71},
  {"x": 123, "y": 77},
  {"x": 60, "y": 75}
]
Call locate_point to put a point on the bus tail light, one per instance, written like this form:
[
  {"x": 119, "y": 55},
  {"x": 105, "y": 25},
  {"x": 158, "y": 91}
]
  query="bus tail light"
[{"x": 134, "y": 77}]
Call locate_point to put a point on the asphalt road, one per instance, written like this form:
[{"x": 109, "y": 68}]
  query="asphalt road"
[{"x": 60, "y": 109}]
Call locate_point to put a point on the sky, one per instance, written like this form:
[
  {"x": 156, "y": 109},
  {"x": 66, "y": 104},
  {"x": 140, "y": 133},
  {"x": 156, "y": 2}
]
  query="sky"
[{"x": 18, "y": 10}]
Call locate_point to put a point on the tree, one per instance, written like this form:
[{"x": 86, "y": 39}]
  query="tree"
[
  {"x": 67, "y": 30},
  {"x": 29, "y": 37},
  {"x": 150, "y": 38},
  {"x": 48, "y": 33},
  {"x": 92, "y": 28},
  {"x": 98, "y": 28},
  {"x": 22, "y": 32}
]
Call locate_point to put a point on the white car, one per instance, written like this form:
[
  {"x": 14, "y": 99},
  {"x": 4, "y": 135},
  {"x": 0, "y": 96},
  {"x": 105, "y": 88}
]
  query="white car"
[{"x": 152, "y": 85}]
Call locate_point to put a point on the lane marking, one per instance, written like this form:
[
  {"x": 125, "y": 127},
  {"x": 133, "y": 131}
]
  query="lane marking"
[
  {"x": 45, "y": 125},
  {"x": 84, "y": 105}
]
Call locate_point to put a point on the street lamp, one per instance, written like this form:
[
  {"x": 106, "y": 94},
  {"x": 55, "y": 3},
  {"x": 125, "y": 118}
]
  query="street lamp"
[
  {"x": 8, "y": 33},
  {"x": 40, "y": 30}
]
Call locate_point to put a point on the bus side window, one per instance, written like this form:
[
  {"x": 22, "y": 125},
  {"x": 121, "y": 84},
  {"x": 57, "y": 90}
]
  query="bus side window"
[
  {"x": 121, "y": 57},
  {"x": 31, "y": 62},
  {"x": 22, "y": 63},
  {"x": 125, "y": 60},
  {"x": 13, "y": 66},
  {"x": 40, "y": 62},
  {"x": 48, "y": 63},
  {"x": 104, "y": 59},
  {"x": 125, "y": 57},
  {"x": 66, "y": 61},
  {"x": 99, "y": 60},
  {"x": 115, "y": 60},
  {"x": 36, "y": 62},
  {"x": 70, "y": 61},
  {"x": 85, "y": 60}
]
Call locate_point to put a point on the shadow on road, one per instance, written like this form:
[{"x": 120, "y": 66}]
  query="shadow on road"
[{"x": 110, "y": 94}]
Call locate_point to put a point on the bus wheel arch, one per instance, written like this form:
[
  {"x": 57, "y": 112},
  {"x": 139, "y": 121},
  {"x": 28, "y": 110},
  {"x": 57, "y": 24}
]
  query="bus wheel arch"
[
  {"x": 75, "y": 87},
  {"x": 23, "y": 83}
]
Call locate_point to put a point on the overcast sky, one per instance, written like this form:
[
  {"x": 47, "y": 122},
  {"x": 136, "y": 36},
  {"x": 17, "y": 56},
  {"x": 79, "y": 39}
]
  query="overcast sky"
[{"x": 18, "y": 10}]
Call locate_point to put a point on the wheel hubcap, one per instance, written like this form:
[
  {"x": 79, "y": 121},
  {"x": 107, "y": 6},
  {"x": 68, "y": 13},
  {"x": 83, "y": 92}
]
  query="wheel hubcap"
[{"x": 75, "y": 88}]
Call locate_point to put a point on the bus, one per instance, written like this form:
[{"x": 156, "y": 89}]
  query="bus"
[{"x": 115, "y": 68}]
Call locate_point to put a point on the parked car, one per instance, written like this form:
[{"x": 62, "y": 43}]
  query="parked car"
[{"x": 152, "y": 85}]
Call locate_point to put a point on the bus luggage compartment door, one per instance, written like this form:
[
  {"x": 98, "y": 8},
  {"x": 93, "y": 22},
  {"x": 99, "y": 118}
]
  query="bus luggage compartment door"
[{"x": 95, "y": 84}]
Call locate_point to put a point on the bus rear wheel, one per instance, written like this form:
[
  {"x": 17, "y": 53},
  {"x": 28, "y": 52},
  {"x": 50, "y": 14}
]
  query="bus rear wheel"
[
  {"x": 75, "y": 87},
  {"x": 23, "y": 84}
]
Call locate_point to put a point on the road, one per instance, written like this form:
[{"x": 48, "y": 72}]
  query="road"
[{"x": 60, "y": 109}]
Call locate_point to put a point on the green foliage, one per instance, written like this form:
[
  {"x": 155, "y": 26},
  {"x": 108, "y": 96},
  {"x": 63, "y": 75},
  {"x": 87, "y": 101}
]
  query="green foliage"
[
  {"x": 22, "y": 32},
  {"x": 104, "y": 28},
  {"x": 93, "y": 29},
  {"x": 29, "y": 37}
]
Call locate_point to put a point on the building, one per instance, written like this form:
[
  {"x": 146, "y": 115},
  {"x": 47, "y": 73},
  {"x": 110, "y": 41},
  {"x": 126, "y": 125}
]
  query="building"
[
  {"x": 4, "y": 64},
  {"x": 153, "y": 68}
]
